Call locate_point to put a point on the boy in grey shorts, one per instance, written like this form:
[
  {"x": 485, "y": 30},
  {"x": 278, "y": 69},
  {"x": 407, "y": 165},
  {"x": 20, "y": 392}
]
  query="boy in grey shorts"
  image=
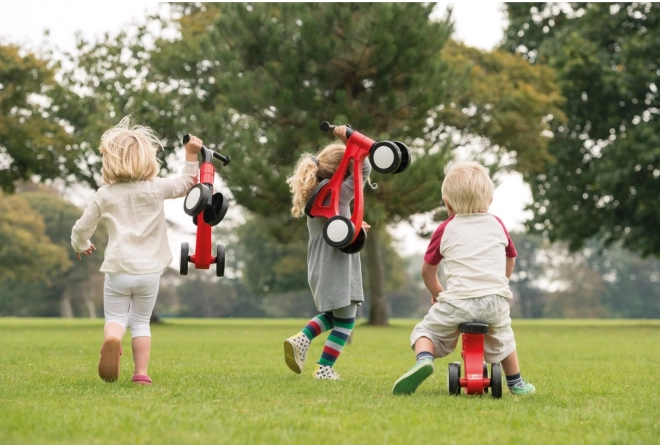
[{"x": 479, "y": 257}]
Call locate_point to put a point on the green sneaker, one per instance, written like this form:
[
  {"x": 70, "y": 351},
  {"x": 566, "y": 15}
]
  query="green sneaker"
[
  {"x": 522, "y": 389},
  {"x": 408, "y": 383}
]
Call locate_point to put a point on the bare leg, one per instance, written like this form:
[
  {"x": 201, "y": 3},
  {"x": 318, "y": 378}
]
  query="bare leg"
[
  {"x": 424, "y": 344},
  {"x": 408, "y": 383},
  {"x": 510, "y": 364},
  {"x": 113, "y": 329},
  {"x": 141, "y": 353}
]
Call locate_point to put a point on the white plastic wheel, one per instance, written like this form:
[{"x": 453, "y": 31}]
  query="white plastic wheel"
[
  {"x": 383, "y": 158},
  {"x": 337, "y": 230},
  {"x": 192, "y": 199}
]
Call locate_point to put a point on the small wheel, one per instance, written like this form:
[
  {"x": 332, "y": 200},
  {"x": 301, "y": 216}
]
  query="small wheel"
[
  {"x": 358, "y": 244},
  {"x": 338, "y": 231},
  {"x": 183, "y": 266},
  {"x": 312, "y": 198},
  {"x": 198, "y": 198},
  {"x": 385, "y": 156},
  {"x": 220, "y": 260},
  {"x": 496, "y": 380},
  {"x": 453, "y": 379},
  {"x": 406, "y": 158},
  {"x": 485, "y": 376},
  {"x": 216, "y": 213}
]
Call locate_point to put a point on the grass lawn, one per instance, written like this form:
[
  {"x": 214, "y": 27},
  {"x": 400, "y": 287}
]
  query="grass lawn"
[{"x": 225, "y": 381}]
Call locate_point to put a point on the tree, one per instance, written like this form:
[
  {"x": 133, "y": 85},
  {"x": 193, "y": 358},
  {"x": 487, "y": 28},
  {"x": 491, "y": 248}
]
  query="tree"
[
  {"x": 257, "y": 79},
  {"x": 604, "y": 178},
  {"x": 33, "y": 140},
  {"x": 26, "y": 252},
  {"x": 81, "y": 279}
]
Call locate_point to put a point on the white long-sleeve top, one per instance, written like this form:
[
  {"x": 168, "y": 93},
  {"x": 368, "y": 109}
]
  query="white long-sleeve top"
[{"x": 135, "y": 217}]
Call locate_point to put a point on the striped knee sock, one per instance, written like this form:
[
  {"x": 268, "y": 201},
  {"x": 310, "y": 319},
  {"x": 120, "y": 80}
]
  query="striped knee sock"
[
  {"x": 336, "y": 340},
  {"x": 318, "y": 325}
]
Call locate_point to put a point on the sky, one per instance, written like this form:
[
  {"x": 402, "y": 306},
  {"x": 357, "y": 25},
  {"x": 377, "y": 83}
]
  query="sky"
[{"x": 477, "y": 23}]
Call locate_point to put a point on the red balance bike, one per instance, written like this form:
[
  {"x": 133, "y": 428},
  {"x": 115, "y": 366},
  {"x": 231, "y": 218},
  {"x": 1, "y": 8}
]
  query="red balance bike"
[
  {"x": 476, "y": 379},
  {"x": 207, "y": 209},
  {"x": 386, "y": 157}
]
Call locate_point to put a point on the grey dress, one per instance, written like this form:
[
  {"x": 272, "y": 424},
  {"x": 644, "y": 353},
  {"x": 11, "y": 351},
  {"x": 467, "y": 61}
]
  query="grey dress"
[{"x": 335, "y": 277}]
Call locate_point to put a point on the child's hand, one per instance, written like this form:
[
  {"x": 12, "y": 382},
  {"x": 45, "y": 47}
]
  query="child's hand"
[
  {"x": 365, "y": 226},
  {"x": 193, "y": 147},
  {"x": 434, "y": 300},
  {"x": 88, "y": 251},
  {"x": 340, "y": 132}
]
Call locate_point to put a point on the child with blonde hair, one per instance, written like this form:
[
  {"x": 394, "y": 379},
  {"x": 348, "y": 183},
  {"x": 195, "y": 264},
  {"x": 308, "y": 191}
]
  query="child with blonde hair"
[
  {"x": 131, "y": 204},
  {"x": 335, "y": 278},
  {"x": 479, "y": 258}
]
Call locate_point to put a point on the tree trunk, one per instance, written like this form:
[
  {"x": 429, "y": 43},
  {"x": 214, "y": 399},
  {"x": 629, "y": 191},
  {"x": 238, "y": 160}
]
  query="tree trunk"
[
  {"x": 378, "y": 315},
  {"x": 66, "y": 310}
]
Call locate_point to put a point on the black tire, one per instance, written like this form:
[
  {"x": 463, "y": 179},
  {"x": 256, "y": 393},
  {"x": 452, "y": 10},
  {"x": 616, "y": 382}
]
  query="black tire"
[
  {"x": 485, "y": 376},
  {"x": 198, "y": 198},
  {"x": 406, "y": 157},
  {"x": 312, "y": 198},
  {"x": 385, "y": 157},
  {"x": 338, "y": 231},
  {"x": 220, "y": 260},
  {"x": 496, "y": 380},
  {"x": 183, "y": 266},
  {"x": 216, "y": 213},
  {"x": 453, "y": 379},
  {"x": 358, "y": 244}
]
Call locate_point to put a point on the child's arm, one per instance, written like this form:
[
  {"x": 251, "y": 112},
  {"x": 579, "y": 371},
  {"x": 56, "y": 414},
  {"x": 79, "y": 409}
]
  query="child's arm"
[
  {"x": 84, "y": 228},
  {"x": 178, "y": 187},
  {"x": 431, "y": 280},
  {"x": 510, "y": 264}
]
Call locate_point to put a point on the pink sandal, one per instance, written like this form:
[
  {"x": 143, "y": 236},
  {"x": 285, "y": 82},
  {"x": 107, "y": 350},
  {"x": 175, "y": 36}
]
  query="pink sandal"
[
  {"x": 109, "y": 362},
  {"x": 142, "y": 379}
]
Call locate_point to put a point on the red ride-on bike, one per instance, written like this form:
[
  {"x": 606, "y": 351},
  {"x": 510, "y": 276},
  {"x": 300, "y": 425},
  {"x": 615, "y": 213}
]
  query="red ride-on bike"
[
  {"x": 475, "y": 380},
  {"x": 207, "y": 209},
  {"x": 386, "y": 157}
]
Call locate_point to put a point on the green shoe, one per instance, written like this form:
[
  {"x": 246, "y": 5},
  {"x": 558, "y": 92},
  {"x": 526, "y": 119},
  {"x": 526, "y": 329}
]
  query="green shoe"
[
  {"x": 409, "y": 382},
  {"x": 522, "y": 389}
]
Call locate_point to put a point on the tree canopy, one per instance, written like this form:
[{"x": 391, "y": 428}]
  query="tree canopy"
[{"x": 604, "y": 178}]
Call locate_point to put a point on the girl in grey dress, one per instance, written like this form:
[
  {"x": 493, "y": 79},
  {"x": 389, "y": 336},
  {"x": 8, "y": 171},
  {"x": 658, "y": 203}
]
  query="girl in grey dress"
[{"x": 335, "y": 277}]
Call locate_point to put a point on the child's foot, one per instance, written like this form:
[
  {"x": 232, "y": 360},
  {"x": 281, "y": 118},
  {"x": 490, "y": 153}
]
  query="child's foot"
[
  {"x": 142, "y": 379},
  {"x": 295, "y": 351},
  {"x": 325, "y": 372},
  {"x": 109, "y": 362},
  {"x": 522, "y": 389},
  {"x": 408, "y": 383}
]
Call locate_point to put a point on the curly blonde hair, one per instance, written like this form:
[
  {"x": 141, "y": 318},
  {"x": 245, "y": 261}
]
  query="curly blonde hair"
[
  {"x": 467, "y": 187},
  {"x": 307, "y": 174},
  {"x": 129, "y": 153}
]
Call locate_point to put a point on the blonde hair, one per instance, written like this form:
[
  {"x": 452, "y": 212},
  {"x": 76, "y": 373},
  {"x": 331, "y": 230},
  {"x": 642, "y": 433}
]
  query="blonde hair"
[
  {"x": 129, "y": 153},
  {"x": 467, "y": 187},
  {"x": 307, "y": 174}
]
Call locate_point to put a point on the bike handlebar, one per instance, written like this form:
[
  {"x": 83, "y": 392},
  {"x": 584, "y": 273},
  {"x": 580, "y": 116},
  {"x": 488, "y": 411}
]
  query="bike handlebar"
[{"x": 208, "y": 154}]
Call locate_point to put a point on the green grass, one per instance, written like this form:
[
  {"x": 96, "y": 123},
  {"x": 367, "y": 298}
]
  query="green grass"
[{"x": 225, "y": 381}]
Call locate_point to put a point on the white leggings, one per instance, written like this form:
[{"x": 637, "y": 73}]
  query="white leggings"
[{"x": 129, "y": 300}]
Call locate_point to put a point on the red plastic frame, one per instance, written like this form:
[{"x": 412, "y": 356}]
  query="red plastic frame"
[
  {"x": 473, "y": 361},
  {"x": 202, "y": 259},
  {"x": 357, "y": 149}
]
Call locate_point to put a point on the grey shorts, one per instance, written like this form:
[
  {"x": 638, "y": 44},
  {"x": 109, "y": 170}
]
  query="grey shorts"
[{"x": 441, "y": 326}]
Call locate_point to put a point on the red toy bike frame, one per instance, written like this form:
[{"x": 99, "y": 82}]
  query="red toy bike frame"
[
  {"x": 386, "y": 157},
  {"x": 475, "y": 380},
  {"x": 207, "y": 209},
  {"x": 357, "y": 149}
]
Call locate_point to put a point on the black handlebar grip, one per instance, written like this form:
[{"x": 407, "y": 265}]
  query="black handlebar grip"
[
  {"x": 186, "y": 138},
  {"x": 326, "y": 126}
]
